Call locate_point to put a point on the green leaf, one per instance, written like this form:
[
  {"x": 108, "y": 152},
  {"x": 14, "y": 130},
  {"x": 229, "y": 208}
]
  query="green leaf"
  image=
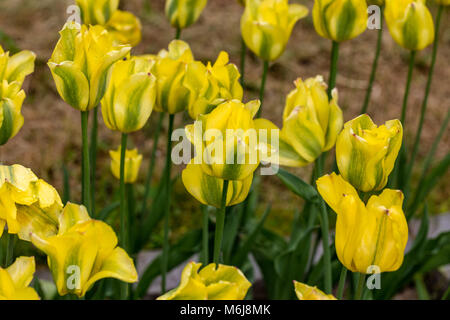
[
  {"x": 105, "y": 212},
  {"x": 298, "y": 186}
]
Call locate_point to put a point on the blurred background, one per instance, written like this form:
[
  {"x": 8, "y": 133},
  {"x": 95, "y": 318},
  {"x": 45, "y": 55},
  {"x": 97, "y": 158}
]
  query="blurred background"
[{"x": 50, "y": 138}]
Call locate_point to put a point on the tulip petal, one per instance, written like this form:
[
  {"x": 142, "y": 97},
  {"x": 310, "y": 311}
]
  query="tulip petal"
[
  {"x": 19, "y": 66},
  {"x": 22, "y": 271}
]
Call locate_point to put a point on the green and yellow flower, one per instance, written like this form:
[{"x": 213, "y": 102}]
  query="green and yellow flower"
[
  {"x": 133, "y": 162},
  {"x": 183, "y": 13},
  {"x": 15, "y": 68},
  {"x": 15, "y": 280},
  {"x": 305, "y": 292}
]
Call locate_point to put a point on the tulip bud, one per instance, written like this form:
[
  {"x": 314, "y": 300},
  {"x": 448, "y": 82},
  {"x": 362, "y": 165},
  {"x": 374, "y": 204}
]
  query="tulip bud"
[
  {"x": 340, "y": 20},
  {"x": 305, "y": 292},
  {"x": 226, "y": 141},
  {"x": 266, "y": 26},
  {"x": 213, "y": 282},
  {"x": 125, "y": 28},
  {"x": 87, "y": 247},
  {"x": 11, "y": 100},
  {"x": 97, "y": 11},
  {"x": 410, "y": 23},
  {"x": 208, "y": 189},
  {"x": 80, "y": 64},
  {"x": 170, "y": 71},
  {"x": 133, "y": 162},
  {"x": 130, "y": 95},
  {"x": 15, "y": 280},
  {"x": 365, "y": 153},
  {"x": 16, "y": 67},
  {"x": 183, "y": 13},
  {"x": 368, "y": 237}
]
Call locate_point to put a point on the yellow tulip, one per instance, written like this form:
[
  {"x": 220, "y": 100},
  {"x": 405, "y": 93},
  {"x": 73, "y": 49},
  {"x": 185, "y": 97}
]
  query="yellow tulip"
[
  {"x": 183, "y": 13},
  {"x": 130, "y": 95},
  {"x": 28, "y": 205},
  {"x": 226, "y": 141},
  {"x": 80, "y": 64},
  {"x": 305, "y": 292},
  {"x": 97, "y": 11},
  {"x": 133, "y": 162},
  {"x": 170, "y": 71},
  {"x": 311, "y": 123},
  {"x": 340, "y": 20},
  {"x": 266, "y": 26},
  {"x": 210, "y": 283},
  {"x": 365, "y": 153},
  {"x": 83, "y": 252},
  {"x": 211, "y": 85},
  {"x": 16, "y": 67},
  {"x": 208, "y": 189},
  {"x": 11, "y": 119},
  {"x": 15, "y": 280},
  {"x": 410, "y": 23},
  {"x": 366, "y": 235}
]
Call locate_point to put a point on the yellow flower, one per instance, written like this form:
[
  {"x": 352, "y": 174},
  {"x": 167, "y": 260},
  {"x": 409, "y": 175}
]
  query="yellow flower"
[
  {"x": 27, "y": 204},
  {"x": 183, "y": 13},
  {"x": 133, "y": 162},
  {"x": 97, "y": 11},
  {"x": 208, "y": 189},
  {"x": 80, "y": 64},
  {"x": 170, "y": 71},
  {"x": 410, "y": 23},
  {"x": 266, "y": 26},
  {"x": 15, "y": 280},
  {"x": 365, "y": 153},
  {"x": 311, "y": 123},
  {"x": 83, "y": 252},
  {"x": 211, "y": 85},
  {"x": 130, "y": 95},
  {"x": 226, "y": 140},
  {"x": 211, "y": 283},
  {"x": 366, "y": 235},
  {"x": 340, "y": 20},
  {"x": 16, "y": 67},
  {"x": 11, "y": 119},
  {"x": 305, "y": 292}
]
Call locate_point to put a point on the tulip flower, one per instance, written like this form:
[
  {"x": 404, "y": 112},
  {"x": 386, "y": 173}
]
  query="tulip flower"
[
  {"x": 410, "y": 23},
  {"x": 97, "y": 11},
  {"x": 133, "y": 162},
  {"x": 130, "y": 95},
  {"x": 374, "y": 234},
  {"x": 210, "y": 283},
  {"x": 229, "y": 148},
  {"x": 80, "y": 64},
  {"x": 11, "y": 119},
  {"x": 211, "y": 85},
  {"x": 170, "y": 71},
  {"x": 365, "y": 153},
  {"x": 340, "y": 20},
  {"x": 208, "y": 189},
  {"x": 16, "y": 67},
  {"x": 311, "y": 123},
  {"x": 83, "y": 252},
  {"x": 183, "y": 13},
  {"x": 27, "y": 203},
  {"x": 305, "y": 292},
  {"x": 15, "y": 280},
  {"x": 266, "y": 26}
]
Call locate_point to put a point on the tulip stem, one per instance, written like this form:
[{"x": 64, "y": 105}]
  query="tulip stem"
[
  {"x": 243, "y": 56},
  {"x": 93, "y": 155},
  {"x": 425, "y": 99},
  {"x": 10, "y": 241},
  {"x": 86, "y": 176},
  {"x": 123, "y": 235},
  {"x": 342, "y": 278},
  {"x": 220, "y": 222},
  {"x": 360, "y": 287},
  {"x": 205, "y": 238},
  {"x": 408, "y": 86},
  {"x": 178, "y": 34},
  {"x": 333, "y": 67},
  {"x": 165, "y": 253},
  {"x": 374, "y": 67},
  {"x": 262, "y": 87},
  {"x": 326, "y": 246}
]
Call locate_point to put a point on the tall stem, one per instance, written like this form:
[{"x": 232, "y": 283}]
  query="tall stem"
[
  {"x": 123, "y": 236},
  {"x": 326, "y": 246},
  {"x": 374, "y": 67},
  {"x": 86, "y": 180},
  {"x": 93, "y": 155},
  {"x": 360, "y": 287},
  {"x": 205, "y": 236},
  {"x": 263, "y": 86},
  {"x": 342, "y": 279},
  {"x": 178, "y": 33},
  {"x": 333, "y": 67},
  {"x": 165, "y": 253},
  {"x": 243, "y": 56},
  {"x": 412, "y": 57},
  {"x": 220, "y": 222}
]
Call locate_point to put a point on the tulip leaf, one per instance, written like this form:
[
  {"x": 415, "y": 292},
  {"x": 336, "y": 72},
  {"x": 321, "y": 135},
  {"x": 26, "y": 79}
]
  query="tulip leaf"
[
  {"x": 298, "y": 186},
  {"x": 233, "y": 222},
  {"x": 106, "y": 211}
]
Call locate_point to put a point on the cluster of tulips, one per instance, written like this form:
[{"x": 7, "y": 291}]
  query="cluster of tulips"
[{"x": 93, "y": 68}]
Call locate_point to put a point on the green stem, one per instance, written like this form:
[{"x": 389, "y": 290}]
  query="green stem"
[
  {"x": 360, "y": 287},
  {"x": 446, "y": 294},
  {"x": 243, "y": 56},
  {"x": 151, "y": 168},
  {"x": 129, "y": 190},
  {"x": 205, "y": 237},
  {"x": 341, "y": 287},
  {"x": 123, "y": 236},
  {"x": 93, "y": 155},
  {"x": 10, "y": 240},
  {"x": 220, "y": 222},
  {"x": 374, "y": 68},
  {"x": 408, "y": 86},
  {"x": 326, "y": 246},
  {"x": 165, "y": 253},
  {"x": 262, "y": 87},
  {"x": 425, "y": 99},
  {"x": 86, "y": 179},
  {"x": 333, "y": 67},
  {"x": 178, "y": 34},
  {"x": 421, "y": 288}
]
